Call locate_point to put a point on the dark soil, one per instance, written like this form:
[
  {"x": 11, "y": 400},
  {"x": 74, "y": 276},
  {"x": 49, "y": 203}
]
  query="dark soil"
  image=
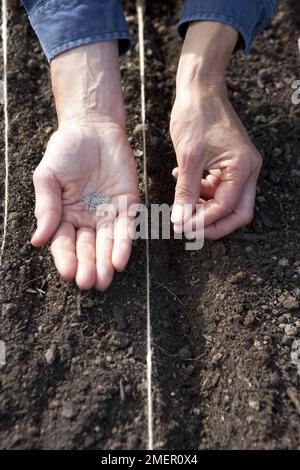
[{"x": 223, "y": 318}]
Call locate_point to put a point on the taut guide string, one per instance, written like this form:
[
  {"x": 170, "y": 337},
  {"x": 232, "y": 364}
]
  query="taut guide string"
[
  {"x": 5, "y": 113},
  {"x": 140, "y": 14}
]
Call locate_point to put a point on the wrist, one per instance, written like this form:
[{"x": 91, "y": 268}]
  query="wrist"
[
  {"x": 205, "y": 55},
  {"x": 86, "y": 84},
  {"x": 203, "y": 80}
]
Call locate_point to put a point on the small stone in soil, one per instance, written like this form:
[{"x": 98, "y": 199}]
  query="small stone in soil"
[
  {"x": 257, "y": 281},
  {"x": 54, "y": 404},
  {"x": 254, "y": 404},
  {"x": 239, "y": 277},
  {"x": 290, "y": 330},
  {"x": 68, "y": 410},
  {"x": 296, "y": 293},
  {"x": 50, "y": 355},
  {"x": 24, "y": 249},
  {"x": 95, "y": 202},
  {"x": 288, "y": 301},
  {"x": 295, "y": 353},
  {"x": 285, "y": 318},
  {"x": 138, "y": 128},
  {"x": 138, "y": 153}
]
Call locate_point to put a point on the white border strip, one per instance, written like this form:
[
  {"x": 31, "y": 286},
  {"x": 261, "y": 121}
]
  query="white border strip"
[
  {"x": 140, "y": 14},
  {"x": 5, "y": 103}
]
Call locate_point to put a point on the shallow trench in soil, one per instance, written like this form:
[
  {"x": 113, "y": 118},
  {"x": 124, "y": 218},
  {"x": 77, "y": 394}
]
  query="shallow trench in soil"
[{"x": 223, "y": 318}]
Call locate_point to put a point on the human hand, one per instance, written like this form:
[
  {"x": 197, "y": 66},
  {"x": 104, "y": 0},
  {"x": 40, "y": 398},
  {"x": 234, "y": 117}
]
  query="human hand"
[
  {"x": 218, "y": 165},
  {"x": 85, "y": 159},
  {"x": 88, "y": 154},
  {"x": 209, "y": 137}
]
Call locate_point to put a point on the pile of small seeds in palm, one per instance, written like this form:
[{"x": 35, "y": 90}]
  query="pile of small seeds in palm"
[{"x": 94, "y": 202}]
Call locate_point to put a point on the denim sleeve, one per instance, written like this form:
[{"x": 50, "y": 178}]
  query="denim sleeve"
[
  {"x": 61, "y": 25},
  {"x": 249, "y": 17}
]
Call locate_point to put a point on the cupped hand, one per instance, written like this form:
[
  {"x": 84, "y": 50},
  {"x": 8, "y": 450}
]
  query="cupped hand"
[
  {"x": 218, "y": 165},
  {"x": 84, "y": 159}
]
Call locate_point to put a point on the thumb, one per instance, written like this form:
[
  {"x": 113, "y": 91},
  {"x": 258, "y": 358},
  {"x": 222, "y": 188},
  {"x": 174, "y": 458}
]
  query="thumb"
[
  {"x": 48, "y": 205},
  {"x": 187, "y": 192}
]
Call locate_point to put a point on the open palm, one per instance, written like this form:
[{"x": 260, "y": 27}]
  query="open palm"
[{"x": 81, "y": 160}]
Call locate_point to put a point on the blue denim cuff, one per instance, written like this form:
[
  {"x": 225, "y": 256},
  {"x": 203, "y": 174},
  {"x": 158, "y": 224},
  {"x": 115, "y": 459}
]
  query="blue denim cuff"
[
  {"x": 249, "y": 17},
  {"x": 61, "y": 25}
]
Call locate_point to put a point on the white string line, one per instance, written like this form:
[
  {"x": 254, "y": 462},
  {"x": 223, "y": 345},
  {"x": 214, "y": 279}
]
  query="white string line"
[
  {"x": 140, "y": 14},
  {"x": 5, "y": 112}
]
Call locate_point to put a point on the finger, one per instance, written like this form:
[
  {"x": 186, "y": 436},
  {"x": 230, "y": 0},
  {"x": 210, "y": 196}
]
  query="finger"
[
  {"x": 195, "y": 222},
  {"x": 104, "y": 248},
  {"x": 187, "y": 192},
  {"x": 63, "y": 251},
  {"x": 208, "y": 185},
  {"x": 242, "y": 215},
  {"x": 48, "y": 207},
  {"x": 122, "y": 242},
  {"x": 194, "y": 227},
  {"x": 175, "y": 172},
  {"x": 226, "y": 197},
  {"x": 214, "y": 172},
  {"x": 86, "y": 258}
]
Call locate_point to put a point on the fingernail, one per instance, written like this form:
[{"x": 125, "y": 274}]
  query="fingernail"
[
  {"x": 33, "y": 238},
  {"x": 177, "y": 214}
]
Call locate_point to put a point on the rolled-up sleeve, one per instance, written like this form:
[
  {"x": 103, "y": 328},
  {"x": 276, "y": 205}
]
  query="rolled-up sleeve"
[
  {"x": 249, "y": 17},
  {"x": 62, "y": 25}
]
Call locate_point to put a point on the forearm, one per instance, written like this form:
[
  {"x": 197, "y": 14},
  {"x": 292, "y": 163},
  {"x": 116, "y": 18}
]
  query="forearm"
[
  {"x": 206, "y": 52},
  {"x": 86, "y": 84}
]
